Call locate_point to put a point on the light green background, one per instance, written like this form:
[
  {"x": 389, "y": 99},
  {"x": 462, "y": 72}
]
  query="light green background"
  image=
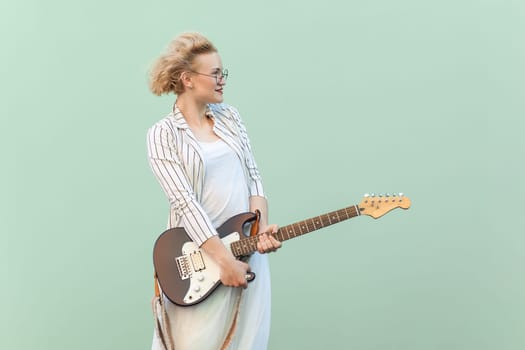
[{"x": 340, "y": 98}]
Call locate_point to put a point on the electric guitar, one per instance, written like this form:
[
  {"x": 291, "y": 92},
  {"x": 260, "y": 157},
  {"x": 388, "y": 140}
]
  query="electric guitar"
[{"x": 187, "y": 275}]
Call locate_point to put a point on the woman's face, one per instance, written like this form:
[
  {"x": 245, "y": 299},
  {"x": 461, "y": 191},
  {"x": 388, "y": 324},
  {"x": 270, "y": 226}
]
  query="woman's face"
[{"x": 207, "y": 78}]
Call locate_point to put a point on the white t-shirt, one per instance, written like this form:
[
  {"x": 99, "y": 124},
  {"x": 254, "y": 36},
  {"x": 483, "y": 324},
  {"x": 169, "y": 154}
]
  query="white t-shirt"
[{"x": 225, "y": 191}]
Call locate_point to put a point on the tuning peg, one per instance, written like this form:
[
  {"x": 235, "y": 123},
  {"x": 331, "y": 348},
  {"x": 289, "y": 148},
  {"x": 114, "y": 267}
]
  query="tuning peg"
[
  {"x": 372, "y": 195},
  {"x": 400, "y": 194},
  {"x": 366, "y": 195},
  {"x": 388, "y": 194}
]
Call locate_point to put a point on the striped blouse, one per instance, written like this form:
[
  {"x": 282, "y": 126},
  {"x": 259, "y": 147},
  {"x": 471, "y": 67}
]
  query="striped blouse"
[{"x": 175, "y": 157}]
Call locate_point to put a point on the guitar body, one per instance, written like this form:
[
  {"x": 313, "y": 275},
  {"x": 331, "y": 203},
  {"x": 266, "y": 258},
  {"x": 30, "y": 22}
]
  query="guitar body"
[{"x": 186, "y": 274}]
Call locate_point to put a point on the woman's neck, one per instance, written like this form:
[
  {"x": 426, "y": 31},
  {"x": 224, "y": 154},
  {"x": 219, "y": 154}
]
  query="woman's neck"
[{"x": 193, "y": 112}]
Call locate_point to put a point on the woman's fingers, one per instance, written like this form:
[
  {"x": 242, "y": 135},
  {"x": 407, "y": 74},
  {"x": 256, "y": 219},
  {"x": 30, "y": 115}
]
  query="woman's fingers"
[{"x": 267, "y": 243}]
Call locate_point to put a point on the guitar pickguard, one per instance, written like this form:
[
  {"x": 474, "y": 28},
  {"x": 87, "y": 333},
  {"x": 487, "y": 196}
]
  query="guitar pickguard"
[{"x": 203, "y": 272}]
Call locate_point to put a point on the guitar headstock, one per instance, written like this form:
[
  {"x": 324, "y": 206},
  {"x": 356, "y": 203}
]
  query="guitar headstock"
[{"x": 378, "y": 205}]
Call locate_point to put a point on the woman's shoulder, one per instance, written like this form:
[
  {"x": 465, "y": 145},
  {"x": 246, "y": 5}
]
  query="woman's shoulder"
[{"x": 170, "y": 122}]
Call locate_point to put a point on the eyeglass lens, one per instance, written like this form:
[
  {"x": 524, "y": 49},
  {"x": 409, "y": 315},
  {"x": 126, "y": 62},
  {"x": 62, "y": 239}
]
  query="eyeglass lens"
[{"x": 222, "y": 75}]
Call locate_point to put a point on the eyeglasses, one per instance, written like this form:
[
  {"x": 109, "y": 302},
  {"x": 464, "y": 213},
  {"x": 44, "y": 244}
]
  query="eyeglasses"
[{"x": 219, "y": 75}]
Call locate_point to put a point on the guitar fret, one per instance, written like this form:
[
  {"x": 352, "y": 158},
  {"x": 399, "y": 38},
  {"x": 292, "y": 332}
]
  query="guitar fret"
[
  {"x": 280, "y": 234},
  {"x": 328, "y": 218},
  {"x": 346, "y": 212},
  {"x": 304, "y": 227},
  {"x": 292, "y": 226},
  {"x": 240, "y": 250},
  {"x": 287, "y": 230},
  {"x": 316, "y": 223},
  {"x": 237, "y": 248},
  {"x": 249, "y": 245}
]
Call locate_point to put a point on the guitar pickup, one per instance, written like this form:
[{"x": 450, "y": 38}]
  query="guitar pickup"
[{"x": 197, "y": 261}]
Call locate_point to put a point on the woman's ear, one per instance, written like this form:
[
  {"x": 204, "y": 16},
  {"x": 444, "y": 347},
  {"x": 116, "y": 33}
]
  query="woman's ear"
[{"x": 186, "y": 80}]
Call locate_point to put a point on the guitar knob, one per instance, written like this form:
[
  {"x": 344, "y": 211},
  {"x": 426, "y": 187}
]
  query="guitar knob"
[
  {"x": 196, "y": 289},
  {"x": 200, "y": 278}
]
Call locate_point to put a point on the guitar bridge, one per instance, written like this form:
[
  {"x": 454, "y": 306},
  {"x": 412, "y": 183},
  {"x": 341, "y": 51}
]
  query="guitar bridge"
[{"x": 183, "y": 267}]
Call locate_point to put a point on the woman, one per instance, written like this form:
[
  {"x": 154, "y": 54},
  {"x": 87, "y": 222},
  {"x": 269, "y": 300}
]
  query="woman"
[{"x": 201, "y": 155}]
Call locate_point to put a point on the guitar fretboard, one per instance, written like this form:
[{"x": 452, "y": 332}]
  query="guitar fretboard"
[{"x": 248, "y": 245}]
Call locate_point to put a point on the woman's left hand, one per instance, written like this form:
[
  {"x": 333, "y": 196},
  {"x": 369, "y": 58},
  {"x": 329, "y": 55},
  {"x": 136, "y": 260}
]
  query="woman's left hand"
[{"x": 267, "y": 242}]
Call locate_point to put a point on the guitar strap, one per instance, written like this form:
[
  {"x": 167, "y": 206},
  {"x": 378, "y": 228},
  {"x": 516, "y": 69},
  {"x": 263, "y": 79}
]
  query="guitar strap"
[
  {"x": 162, "y": 328},
  {"x": 255, "y": 225},
  {"x": 157, "y": 287}
]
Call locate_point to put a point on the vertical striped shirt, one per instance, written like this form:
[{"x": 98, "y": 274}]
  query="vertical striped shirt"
[{"x": 176, "y": 159}]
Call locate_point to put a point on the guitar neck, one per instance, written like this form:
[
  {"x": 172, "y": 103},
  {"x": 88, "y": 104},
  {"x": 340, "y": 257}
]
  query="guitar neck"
[{"x": 248, "y": 245}]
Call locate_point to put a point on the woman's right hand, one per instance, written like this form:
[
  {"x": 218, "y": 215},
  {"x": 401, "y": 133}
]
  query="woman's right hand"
[{"x": 233, "y": 272}]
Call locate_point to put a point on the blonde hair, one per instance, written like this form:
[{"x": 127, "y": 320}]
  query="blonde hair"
[{"x": 178, "y": 58}]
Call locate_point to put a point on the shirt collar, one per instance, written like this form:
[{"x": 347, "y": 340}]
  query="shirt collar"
[{"x": 180, "y": 121}]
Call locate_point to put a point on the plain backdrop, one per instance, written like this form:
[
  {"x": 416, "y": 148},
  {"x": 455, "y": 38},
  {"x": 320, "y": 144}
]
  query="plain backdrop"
[{"x": 340, "y": 98}]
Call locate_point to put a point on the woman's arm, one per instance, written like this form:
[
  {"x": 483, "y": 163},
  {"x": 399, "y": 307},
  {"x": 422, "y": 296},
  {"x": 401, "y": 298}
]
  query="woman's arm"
[{"x": 168, "y": 169}]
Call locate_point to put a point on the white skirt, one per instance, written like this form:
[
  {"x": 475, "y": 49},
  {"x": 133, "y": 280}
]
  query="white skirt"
[{"x": 205, "y": 326}]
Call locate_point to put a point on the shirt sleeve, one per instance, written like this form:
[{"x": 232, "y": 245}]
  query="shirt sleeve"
[
  {"x": 255, "y": 180},
  {"x": 168, "y": 169}
]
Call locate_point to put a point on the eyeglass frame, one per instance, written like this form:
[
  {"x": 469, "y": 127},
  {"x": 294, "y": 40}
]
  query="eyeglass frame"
[{"x": 223, "y": 75}]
